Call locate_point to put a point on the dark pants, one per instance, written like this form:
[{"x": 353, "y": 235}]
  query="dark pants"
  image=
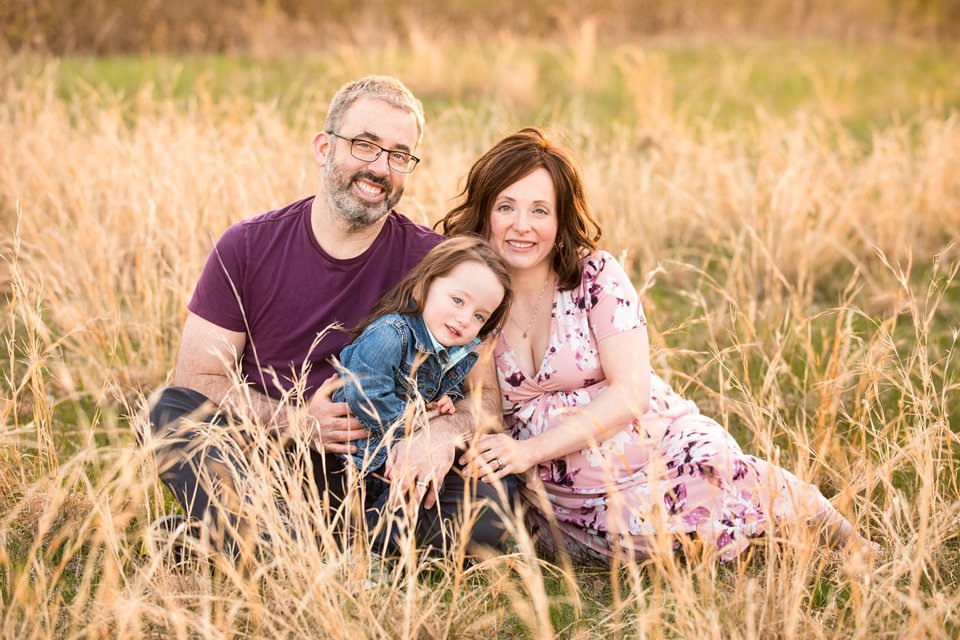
[{"x": 191, "y": 473}]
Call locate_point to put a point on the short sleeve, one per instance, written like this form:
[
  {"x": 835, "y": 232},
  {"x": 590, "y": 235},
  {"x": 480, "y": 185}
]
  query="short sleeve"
[
  {"x": 217, "y": 297},
  {"x": 611, "y": 299}
]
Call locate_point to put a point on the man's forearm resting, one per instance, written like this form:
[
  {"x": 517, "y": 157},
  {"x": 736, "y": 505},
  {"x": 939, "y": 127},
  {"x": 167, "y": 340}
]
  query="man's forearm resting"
[
  {"x": 224, "y": 392},
  {"x": 469, "y": 417},
  {"x": 457, "y": 427}
]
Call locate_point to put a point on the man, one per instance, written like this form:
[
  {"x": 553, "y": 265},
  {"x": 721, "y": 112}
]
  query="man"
[{"x": 262, "y": 307}]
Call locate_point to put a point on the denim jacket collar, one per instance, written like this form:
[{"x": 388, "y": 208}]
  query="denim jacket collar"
[
  {"x": 428, "y": 343},
  {"x": 421, "y": 335}
]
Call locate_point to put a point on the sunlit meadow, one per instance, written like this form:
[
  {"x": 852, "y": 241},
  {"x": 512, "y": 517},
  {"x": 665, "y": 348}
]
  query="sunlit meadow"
[{"x": 789, "y": 213}]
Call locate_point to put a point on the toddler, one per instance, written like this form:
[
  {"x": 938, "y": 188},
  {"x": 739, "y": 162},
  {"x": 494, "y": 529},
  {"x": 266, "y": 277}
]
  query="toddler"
[{"x": 420, "y": 341}]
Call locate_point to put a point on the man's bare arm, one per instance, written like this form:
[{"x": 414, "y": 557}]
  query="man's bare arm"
[
  {"x": 208, "y": 362},
  {"x": 479, "y": 411}
]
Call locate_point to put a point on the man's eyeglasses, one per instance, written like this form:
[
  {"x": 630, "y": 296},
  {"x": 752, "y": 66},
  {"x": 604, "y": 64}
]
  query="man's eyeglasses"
[{"x": 368, "y": 152}]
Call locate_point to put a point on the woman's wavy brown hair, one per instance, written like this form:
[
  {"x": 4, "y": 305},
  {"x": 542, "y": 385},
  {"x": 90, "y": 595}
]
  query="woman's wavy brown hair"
[
  {"x": 513, "y": 158},
  {"x": 410, "y": 294}
]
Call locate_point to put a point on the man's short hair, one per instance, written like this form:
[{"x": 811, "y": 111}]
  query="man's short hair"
[{"x": 386, "y": 88}]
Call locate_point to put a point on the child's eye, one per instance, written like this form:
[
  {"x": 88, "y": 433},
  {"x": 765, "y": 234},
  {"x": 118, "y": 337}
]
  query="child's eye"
[
  {"x": 479, "y": 317},
  {"x": 456, "y": 300}
]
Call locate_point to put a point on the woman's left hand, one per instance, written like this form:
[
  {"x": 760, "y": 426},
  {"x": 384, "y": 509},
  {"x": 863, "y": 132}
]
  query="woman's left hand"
[{"x": 497, "y": 455}]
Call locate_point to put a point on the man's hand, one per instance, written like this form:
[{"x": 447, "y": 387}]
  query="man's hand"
[
  {"x": 335, "y": 427},
  {"x": 418, "y": 464}
]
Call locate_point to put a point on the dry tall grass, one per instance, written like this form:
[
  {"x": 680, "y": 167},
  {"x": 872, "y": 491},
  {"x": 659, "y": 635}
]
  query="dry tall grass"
[{"x": 806, "y": 297}]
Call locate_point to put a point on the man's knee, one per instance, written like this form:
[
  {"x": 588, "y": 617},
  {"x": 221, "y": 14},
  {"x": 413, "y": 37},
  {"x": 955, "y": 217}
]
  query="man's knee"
[
  {"x": 174, "y": 403},
  {"x": 201, "y": 470},
  {"x": 173, "y": 429}
]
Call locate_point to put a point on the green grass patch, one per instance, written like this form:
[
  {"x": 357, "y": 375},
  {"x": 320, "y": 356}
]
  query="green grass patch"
[{"x": 861, "y": 87}]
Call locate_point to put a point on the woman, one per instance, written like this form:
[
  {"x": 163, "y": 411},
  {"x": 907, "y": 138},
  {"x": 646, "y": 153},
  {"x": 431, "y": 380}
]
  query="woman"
[{"x": 622, "y": 458}]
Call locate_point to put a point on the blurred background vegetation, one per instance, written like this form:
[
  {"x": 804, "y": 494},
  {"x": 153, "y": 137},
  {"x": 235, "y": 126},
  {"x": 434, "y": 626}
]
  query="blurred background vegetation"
[{"x": 177, "y": 26}]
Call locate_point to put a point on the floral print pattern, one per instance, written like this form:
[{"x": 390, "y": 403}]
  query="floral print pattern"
[{"x": 672, "y": 471}]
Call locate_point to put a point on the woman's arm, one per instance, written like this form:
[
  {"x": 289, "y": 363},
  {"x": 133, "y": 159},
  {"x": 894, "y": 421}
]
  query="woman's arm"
[{"x": 625, "y": 359}]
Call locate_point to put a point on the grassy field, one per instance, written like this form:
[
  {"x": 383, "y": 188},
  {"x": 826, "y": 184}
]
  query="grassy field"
[{"x": 788, "y": 210}]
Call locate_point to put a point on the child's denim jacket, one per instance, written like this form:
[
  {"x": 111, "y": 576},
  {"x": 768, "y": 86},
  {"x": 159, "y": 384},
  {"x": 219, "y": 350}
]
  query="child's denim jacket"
[{"x": 393, "y": 359}]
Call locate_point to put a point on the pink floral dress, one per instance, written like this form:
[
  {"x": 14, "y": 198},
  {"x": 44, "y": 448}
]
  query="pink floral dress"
[{"x": 671, "y": 471}]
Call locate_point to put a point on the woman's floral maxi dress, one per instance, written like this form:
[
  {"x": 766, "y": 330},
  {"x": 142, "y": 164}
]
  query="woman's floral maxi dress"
[{"x": 672, "y": 471}]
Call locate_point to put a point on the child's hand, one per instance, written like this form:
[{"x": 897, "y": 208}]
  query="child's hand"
[{"x": 444, "y": 406}]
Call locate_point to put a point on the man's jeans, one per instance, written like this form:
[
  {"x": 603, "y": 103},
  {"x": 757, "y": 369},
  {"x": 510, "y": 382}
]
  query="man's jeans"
[{"x": 190, "y": 472}]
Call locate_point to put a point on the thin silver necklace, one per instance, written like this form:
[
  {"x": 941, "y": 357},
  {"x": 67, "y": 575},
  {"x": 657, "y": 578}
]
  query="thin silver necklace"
[{"x": 536, "y": 308}]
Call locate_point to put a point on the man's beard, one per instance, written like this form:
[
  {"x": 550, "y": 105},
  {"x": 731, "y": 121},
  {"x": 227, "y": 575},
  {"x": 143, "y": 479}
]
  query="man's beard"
[{"x": 358, "y": 213}]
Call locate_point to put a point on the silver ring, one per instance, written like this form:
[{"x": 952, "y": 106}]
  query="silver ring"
[
  {"x": 500, "y": 462},
  {"x": 421, "y": 483}
]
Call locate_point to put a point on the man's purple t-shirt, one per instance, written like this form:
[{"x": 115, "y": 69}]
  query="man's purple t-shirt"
[{"x": 269, "y": 278}]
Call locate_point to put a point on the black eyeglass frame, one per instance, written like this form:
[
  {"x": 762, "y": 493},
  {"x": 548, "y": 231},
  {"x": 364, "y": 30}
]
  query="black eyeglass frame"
[{"x": 353, "y": 143}]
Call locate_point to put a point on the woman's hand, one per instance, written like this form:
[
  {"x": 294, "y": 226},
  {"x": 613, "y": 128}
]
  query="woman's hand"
[{"x": 497, "y": 455}]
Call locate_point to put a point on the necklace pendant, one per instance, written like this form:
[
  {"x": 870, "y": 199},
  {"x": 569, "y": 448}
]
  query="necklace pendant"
[{"x": 536, "y": 308}]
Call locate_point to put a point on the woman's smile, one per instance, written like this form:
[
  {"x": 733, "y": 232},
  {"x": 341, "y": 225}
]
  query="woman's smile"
[{"x": 523, "y": 223}]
